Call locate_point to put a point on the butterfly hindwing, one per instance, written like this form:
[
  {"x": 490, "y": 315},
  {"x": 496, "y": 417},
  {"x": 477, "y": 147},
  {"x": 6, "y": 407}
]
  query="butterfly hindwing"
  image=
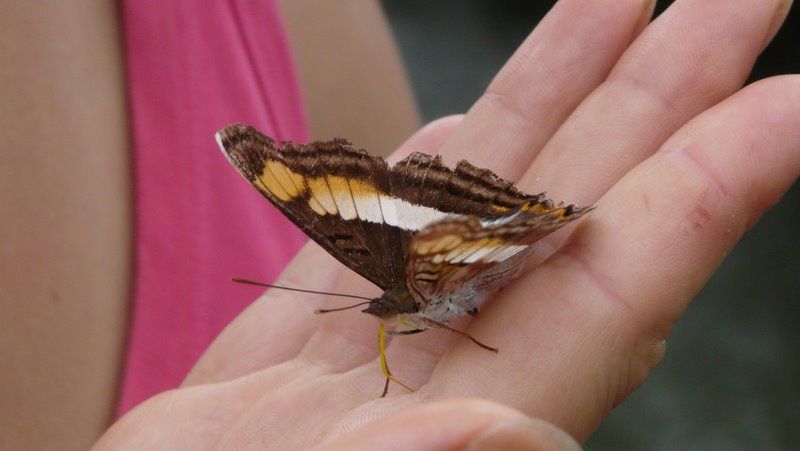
[{"x": 454, "y": 264}]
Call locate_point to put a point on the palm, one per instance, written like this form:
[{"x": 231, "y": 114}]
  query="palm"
[{"x": 651, "y": 128}]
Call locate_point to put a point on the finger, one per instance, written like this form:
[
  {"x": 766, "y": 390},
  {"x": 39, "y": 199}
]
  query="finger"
[
  {"x": 455, "y": 424},
  {"x": 277, "y": 326},
  {"x": 580, "y": 332},
  {"x": 694, "y": 199},
  {"x": 691, "y": 57},
  {"x": 569, "y": 53}
]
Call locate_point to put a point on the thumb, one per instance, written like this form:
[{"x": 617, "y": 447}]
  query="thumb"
[{"x": 456, "y": 424}]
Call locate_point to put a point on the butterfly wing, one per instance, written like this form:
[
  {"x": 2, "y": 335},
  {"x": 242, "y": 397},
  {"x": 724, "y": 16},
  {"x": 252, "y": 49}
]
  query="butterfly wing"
[
  {"x": 359, "y": 209},
  {"x": 331, "y": 190},
  {"x": 454, "y": 264}
]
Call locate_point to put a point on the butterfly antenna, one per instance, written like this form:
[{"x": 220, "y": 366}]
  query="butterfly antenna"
[{"x": 327, "y": 293}]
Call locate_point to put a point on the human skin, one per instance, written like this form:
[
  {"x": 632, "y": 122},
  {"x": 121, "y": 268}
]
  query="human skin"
[
  {"x": 652, "y": 125},
  {"x": 65, "y": 196},
  {"x": 355, "y": 86}
]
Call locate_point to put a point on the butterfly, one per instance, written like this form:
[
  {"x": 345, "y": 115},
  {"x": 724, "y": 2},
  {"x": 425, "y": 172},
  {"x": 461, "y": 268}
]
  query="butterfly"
[{"x": 437, "y": 241}]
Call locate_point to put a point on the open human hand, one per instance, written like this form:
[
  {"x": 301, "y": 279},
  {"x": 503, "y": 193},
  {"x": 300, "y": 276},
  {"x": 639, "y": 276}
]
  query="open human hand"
[{"x": 649, "y": 122}]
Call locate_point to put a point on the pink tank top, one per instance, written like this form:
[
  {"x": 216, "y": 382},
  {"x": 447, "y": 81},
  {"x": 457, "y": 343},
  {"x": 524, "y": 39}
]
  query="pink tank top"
[{"x": 192, "y": 68}]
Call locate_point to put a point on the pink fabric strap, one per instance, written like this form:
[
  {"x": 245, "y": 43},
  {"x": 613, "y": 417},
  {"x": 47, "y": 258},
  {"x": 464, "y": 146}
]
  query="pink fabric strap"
[{"x": 192, "y": 68}]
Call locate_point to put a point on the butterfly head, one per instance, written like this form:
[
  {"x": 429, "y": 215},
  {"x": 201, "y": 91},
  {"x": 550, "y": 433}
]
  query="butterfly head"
[{"x": 392, "y": 303}]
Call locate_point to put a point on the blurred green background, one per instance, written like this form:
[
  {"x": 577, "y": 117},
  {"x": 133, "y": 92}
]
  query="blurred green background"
[{"x": 731, "y": 376}]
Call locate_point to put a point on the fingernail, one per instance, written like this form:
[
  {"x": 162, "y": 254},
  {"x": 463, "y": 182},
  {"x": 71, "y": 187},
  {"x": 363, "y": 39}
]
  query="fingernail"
[
  {"x": 522, "y": 433},
  {"x": 777, "y": 20}
]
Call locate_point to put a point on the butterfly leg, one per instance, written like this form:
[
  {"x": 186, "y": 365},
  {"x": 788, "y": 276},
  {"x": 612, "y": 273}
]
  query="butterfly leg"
[
  {"x": 460, "y": 332},
  {"x": 384, "y": 365}
]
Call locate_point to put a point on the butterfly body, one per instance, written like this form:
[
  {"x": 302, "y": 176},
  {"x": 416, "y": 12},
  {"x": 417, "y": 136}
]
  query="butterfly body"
[{"x": 438, "y": 241}]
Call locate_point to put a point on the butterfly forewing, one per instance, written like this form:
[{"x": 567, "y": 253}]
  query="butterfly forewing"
[{"x": 330, "y": 190}]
